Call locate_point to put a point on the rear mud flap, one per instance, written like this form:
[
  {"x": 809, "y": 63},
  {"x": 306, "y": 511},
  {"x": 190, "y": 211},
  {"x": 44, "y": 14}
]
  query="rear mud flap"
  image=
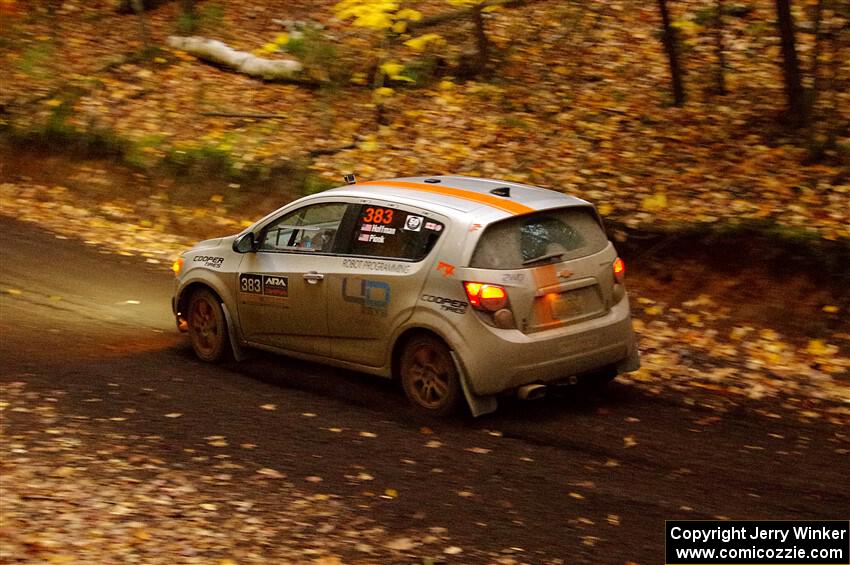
[{"x": 478, "y": 405}]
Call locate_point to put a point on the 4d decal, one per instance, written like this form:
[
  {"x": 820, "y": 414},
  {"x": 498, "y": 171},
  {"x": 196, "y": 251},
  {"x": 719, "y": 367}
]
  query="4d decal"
[
  {"x": 433, "y": 226},
  {"x": 268, "y": 285},
  {"x": 447, "y": 268},
  {"x": 372, "y": 295}
]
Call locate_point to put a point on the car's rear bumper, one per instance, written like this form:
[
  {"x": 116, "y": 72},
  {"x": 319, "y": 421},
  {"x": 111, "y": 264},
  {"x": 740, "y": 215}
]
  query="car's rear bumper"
[{"x": 499, "y": 360}]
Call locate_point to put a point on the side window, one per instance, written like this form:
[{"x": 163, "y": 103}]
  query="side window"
[
  {"x": 309, "y": 229},
  {"x": 383, "y": 231}
]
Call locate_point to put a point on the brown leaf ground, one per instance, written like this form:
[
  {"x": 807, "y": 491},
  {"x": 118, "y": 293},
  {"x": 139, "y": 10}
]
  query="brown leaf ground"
[{"x": 76, "y": 490}]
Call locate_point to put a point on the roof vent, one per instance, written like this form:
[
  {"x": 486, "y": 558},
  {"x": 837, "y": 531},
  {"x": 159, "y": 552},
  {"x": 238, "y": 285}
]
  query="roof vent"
[
  {"x": 503, "y": 191},
  {"x": 432, "y": 181}
]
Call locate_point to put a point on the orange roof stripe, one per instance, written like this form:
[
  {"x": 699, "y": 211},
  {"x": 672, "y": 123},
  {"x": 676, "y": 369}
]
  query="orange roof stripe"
[{"x": 493, "y": 201}]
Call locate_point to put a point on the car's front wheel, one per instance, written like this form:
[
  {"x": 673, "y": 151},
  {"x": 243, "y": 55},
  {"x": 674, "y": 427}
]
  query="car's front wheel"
[
  {"x": 207, "y": 326},
  {"x": 429, "y": 376}
]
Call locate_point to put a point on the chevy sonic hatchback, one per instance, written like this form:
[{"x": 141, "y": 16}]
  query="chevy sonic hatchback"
[{"x": 461, "y": 288}]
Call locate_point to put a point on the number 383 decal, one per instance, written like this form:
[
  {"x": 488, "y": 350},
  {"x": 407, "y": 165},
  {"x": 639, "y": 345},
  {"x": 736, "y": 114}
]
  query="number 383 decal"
[{"x": 373, "y": 215}]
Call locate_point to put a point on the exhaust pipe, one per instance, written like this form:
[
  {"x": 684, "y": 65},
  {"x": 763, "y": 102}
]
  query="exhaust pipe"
[{"x": 531, "y": 392}]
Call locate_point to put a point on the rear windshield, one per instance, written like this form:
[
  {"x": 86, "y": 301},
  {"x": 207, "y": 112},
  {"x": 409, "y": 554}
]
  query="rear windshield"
[{"x": 560, "y": 234}]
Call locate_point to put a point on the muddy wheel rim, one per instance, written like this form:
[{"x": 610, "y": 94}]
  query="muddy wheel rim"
[
  {"x": 205, "y": 327},
  {"x": 429, "y": 374}
]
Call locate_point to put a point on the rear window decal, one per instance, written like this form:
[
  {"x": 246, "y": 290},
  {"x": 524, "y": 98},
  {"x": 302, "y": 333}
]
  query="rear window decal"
[
  {"x": 413, "y": 223},
  {"x": 433, "y": 226}
]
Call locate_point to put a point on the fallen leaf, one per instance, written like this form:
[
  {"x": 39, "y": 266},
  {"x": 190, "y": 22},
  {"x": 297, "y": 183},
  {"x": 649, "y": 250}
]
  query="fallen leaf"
[
  {"x": 268, "y": 406},
  {"x": 401, "y": 544}
]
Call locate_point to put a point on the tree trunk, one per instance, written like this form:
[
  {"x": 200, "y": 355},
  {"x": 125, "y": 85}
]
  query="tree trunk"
[
  {"x": 794, "y": 94},
  {"x": 816, "y": 54},
  {"x": 482, "y": 43},
  {"x": 188, "y": 7},
  {"x": 668, "y": 38},
  {"x": 720, "y": 48},
  {"x": 139, "y": 8}
]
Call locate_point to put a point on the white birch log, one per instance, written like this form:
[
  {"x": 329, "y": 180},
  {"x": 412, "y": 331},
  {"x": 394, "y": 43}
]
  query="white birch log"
[{"x": 241, "y": 61}]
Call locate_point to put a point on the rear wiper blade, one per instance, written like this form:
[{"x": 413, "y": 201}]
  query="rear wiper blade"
[{"x": 546, "y": 257}]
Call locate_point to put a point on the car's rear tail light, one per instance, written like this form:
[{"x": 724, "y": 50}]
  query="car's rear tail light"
[
  {"x": 177, "y": 266},
  {"x": 619, "y": 269},
  {"x": 488, "y": 297}
]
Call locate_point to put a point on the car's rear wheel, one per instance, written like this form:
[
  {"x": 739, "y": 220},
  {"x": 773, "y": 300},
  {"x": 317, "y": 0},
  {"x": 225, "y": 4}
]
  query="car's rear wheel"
[
  {"x": 207, "y": 326},
  {"x": 429, "y": 376}
]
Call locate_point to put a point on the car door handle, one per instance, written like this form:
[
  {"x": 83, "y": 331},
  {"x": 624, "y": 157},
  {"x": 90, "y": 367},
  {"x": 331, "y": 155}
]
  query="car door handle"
[{"x": 313, "y": 277}]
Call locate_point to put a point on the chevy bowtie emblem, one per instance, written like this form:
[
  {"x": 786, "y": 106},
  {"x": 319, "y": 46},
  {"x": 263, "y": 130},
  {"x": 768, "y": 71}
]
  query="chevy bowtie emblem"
[{"x": 565, "y": 274}]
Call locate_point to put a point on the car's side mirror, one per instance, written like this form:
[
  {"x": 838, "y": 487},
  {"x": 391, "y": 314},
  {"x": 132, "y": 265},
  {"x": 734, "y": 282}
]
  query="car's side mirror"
[{"x": 245, "y": 243}]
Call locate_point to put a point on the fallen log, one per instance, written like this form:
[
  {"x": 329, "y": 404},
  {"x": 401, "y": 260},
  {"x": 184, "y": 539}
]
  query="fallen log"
[{"x": 243, "y": 62}]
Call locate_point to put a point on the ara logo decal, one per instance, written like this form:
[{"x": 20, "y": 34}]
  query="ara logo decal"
[
  {"x": 372, "y": 295},
  {"x": 275, "y": 286}
]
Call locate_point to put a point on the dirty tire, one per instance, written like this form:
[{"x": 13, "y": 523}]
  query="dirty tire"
[
  {"x": 429, "y": 376},
  {"x": 207, "y": 327}
]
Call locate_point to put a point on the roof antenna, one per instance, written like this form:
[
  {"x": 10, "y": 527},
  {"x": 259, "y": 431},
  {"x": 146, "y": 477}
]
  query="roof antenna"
[
  {"x": 349, "y": 178},
  {"x": 503, "y": 191}
]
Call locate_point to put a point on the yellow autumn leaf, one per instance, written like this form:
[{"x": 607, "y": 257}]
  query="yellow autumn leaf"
[
  {"x": 419, "y": 43},
  {"x": 370, "y": 145},
  {"x": 391, "y": 68},
  {"x": 604, "y": 209},
  {"x": 654, "y": 203},
  {"x": 281, "y": 38},
  {"x": 409, "y": 14},
  {"x": 391, "y": 492},
  {"x": 269, "y": 47},
  {"x": 818, "y": 347},
  {"x": 830, "y": 309},
  {"x": 400, "y": 27}
]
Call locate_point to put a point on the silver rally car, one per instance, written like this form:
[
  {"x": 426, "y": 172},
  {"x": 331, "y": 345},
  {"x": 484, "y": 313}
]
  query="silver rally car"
[{"x": 462, "y": 288}]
